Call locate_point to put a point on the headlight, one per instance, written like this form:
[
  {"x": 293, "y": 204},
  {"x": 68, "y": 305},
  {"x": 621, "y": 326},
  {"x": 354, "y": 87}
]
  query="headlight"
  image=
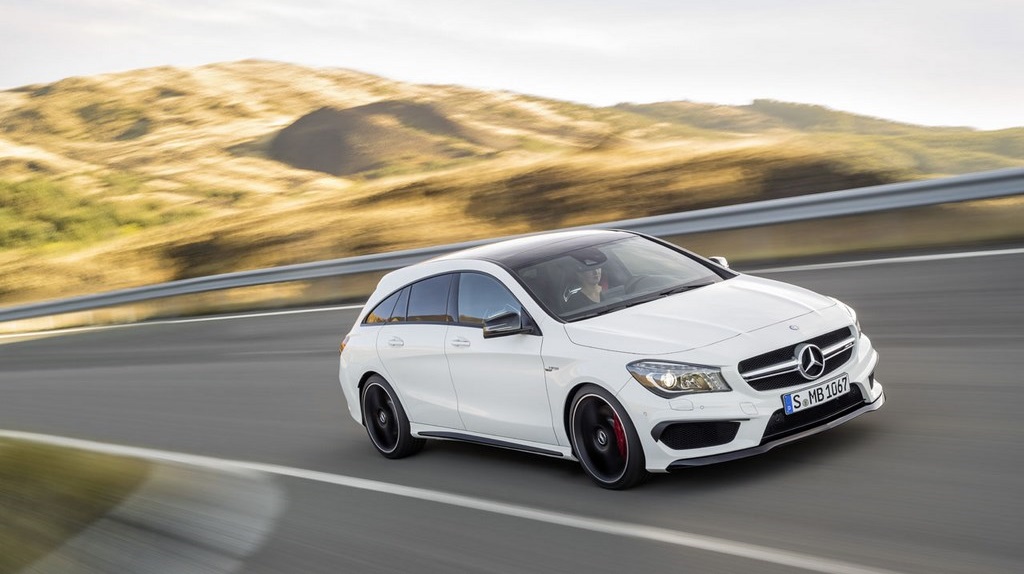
[
  {"x": 677, "y": 378},
  {"x": 850, "y": 312}
]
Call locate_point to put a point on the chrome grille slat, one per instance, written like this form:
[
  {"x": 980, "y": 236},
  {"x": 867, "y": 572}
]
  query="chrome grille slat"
[
  {"x": 839, "y": 347},
  {"x": 782, "y": 369}
]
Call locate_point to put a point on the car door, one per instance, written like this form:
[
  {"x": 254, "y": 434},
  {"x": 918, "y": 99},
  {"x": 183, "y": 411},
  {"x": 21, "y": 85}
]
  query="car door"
[
  {"x": 411, "y": 345},
  {"x": 500, "y": 380}
]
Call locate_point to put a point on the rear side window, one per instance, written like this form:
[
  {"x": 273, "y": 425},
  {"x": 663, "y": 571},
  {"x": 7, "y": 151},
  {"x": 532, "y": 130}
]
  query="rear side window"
[
  {"x": 390, "y": 310},
  {"x": 428, "y": 301},
  {"x": 398, "y": 314},
  {"x": 382, "y": 312}
]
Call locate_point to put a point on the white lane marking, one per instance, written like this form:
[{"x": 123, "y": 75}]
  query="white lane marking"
[
  {"x": 907, "y": 259},
  {"x": 612, "y": 527},
  {"x": 177, "y": 321}
]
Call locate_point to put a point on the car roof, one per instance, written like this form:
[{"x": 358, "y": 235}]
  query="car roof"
[
  {"x": 510, "y": 254},
  {"x": 513, "y": 253}
]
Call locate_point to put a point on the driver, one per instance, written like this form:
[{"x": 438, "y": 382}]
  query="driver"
[{"x": 586, "y": 290}]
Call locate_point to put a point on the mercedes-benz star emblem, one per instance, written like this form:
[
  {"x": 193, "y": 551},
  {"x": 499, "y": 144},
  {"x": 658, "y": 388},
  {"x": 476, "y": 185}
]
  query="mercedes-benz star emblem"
[{"x": 810, "y": 360}]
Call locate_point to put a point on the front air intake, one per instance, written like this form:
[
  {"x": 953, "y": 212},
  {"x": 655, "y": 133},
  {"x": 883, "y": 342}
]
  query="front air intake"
[{"x": 683, "y": 436}]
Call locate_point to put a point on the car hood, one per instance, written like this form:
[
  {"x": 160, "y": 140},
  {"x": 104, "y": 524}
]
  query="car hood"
[{"x": 697, "y": 318}]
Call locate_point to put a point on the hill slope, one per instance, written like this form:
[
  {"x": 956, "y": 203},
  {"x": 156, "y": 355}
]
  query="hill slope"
[
  {"x": 158, "y": 174},
  {"x": 375, "y": 136}
]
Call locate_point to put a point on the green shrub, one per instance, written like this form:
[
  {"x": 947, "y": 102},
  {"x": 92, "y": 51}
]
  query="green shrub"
[{"x": 40, "y": 212}]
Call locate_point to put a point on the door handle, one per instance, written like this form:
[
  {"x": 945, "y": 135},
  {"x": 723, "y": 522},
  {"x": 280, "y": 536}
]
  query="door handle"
[
  {"x": 460, "y": 342},
  {"x": 395, "y": 342}
]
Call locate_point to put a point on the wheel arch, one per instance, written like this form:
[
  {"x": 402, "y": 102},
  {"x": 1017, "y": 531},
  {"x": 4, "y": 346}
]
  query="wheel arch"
[
  {"x": 362, "y": 382},
  {"x": 567, "y": 408}
]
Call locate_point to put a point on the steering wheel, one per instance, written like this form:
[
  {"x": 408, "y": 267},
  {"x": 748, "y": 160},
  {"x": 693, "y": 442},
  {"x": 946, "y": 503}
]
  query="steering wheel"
[{"x": 633, "y": 283}]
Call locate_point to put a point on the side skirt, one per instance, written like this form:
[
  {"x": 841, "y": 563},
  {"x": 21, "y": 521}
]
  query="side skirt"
[{"x": 488, "y": 442}]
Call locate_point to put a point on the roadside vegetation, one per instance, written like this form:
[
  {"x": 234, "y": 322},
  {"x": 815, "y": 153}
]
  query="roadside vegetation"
[
  {"x": 48, "y": 494},
  {"x": 41, "y": 212},
  {"x": 141, "y": 177}
]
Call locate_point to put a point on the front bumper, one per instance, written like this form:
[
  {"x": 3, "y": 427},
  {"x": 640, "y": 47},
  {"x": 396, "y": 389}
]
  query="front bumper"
[
  {"x": 765, "y": 446},
  {"x": 743, "y": 422}
]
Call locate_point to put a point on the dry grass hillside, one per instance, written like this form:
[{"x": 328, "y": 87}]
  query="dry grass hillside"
[{"x": 147, "y": 176}]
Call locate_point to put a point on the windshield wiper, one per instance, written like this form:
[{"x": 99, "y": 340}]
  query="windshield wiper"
[
  {"x": 604, "y": 311},
  {"x": 681, "y": 289},
  {"x": 613, "y": 308},
  {"x": 641, "y": 300}
]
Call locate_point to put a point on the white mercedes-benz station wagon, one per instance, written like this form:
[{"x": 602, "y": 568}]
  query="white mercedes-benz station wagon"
[{"x": 615, "y": 349}]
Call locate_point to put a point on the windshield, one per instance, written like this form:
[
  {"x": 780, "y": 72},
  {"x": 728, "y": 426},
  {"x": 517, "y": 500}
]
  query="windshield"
[{"x": 604, "y": 278}]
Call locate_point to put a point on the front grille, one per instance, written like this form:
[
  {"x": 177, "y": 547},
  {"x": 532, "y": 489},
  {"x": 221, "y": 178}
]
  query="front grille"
[
  {"x": 781, "y": 425},
  {"x": 681, "y": 436},
  {"x": 788, "y": 353},
  {"x": 795, "y": 378}
]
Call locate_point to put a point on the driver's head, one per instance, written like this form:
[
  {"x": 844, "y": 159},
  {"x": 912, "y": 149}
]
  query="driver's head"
[{"x": 589, "y": 275}]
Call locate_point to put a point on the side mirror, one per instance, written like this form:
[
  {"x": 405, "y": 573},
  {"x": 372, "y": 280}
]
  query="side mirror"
[
  {"x": 720, "y": 260},
  {"x": 504, "y": 323}
]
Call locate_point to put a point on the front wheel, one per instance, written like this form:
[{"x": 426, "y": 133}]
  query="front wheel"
[
  {"x": 605, "y": 440},
  {"x": 385, "y": 420}
]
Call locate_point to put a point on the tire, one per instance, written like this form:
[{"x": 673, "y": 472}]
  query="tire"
[
  {"x": 605, "y": 440},
  {"x": 385, "y": 420}
]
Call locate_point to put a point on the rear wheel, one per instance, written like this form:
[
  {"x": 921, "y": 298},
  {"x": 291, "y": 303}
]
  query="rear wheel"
[
  {"x": 385, "y": 420},
  {"x": 604, "y": 439}
]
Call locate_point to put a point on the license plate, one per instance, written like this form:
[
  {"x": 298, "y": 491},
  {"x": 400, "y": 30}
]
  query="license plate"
[{"x": 816, "y": 395}]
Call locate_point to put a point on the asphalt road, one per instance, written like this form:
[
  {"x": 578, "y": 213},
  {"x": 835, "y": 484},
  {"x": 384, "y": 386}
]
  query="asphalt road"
[{"x": 931, "y": 483}]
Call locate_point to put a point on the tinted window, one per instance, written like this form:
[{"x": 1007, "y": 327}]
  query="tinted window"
[
  {"x": 481, "y": 297},
  {"x": 382, "y": 312},
  {"x": 428, "y": 300},
  {"x": 399, "y": 313},
  {"x": 605, "y": 277}
]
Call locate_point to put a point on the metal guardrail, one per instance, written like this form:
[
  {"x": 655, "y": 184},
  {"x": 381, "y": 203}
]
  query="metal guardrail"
[{"x": 970, "y": 187}]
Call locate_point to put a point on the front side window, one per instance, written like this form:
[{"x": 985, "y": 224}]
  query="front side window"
[
  {"x": 606, "y": 277},
  {"x": 428, "y": 301},
  {"x": 482, "y": 297}
]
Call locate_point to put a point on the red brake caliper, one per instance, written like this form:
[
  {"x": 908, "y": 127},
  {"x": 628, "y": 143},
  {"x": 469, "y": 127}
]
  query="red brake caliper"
[{"x": 620, "y": 435}]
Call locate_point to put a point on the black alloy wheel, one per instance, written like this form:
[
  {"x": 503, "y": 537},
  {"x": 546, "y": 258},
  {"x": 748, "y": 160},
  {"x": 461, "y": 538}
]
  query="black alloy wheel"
[
  {"x": 385, "y": 420},
  {"x": 604, "y": 440}
]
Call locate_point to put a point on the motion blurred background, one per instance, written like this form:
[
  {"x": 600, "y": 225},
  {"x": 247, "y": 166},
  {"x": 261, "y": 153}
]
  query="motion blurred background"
[
  {"x": 113, "y": 180},
  {"x": 142, "y": 143}
]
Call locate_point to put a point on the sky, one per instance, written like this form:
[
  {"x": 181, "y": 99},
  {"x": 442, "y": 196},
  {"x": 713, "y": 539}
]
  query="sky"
[{"x": 927, "y": 62}]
